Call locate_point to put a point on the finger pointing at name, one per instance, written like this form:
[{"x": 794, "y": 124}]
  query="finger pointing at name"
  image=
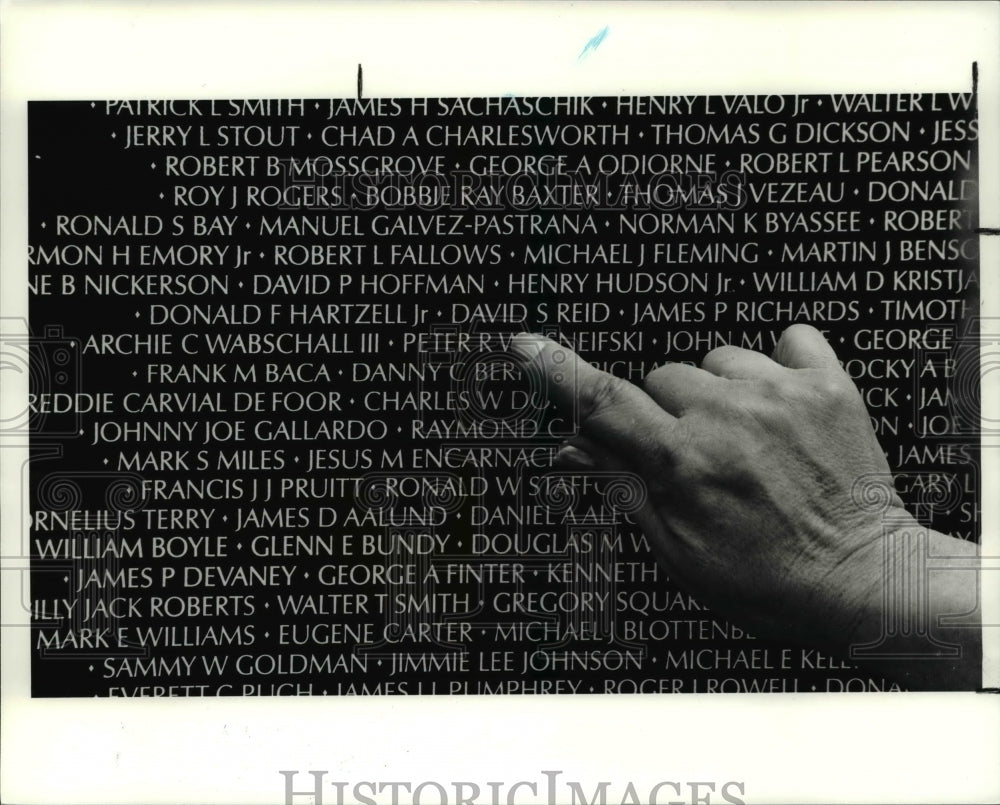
[{"x": 610, "y": 410}]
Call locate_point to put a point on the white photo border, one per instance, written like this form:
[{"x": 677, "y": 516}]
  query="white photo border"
[{"x": 794, "y": 748}]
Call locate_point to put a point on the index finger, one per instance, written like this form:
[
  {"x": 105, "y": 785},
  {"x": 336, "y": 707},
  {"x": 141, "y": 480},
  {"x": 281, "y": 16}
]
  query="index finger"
[{"x": 611, "y": 410}]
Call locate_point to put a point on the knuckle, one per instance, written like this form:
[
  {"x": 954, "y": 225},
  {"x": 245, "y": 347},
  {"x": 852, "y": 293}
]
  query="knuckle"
[
  {"x": 719, "y": 355},
  {"x": 661, "y": 376},
  {"x": 771, "y": 388},
  {"x": 798, "y": 330},
  {"x": 834, "y": 386},
  {"x": 825, "y": 390}
]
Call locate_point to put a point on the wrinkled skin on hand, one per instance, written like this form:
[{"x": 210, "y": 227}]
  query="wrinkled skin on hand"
[{"x": 751, "y": 465}]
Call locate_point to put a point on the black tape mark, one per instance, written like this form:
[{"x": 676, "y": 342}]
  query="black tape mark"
[
  {"x": 359, "y": 82},
  {"x": 975, "y": 77},
  {"x": 984, "y": 231}
]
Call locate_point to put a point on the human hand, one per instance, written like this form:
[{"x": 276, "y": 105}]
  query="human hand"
[{"x": 749, "y": 464}]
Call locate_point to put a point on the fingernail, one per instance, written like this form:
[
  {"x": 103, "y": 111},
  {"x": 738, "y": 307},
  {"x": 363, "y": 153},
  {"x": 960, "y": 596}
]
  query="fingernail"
[
  {"x": 526, "y": 346},
  {"x": 569, "y": 455}
]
